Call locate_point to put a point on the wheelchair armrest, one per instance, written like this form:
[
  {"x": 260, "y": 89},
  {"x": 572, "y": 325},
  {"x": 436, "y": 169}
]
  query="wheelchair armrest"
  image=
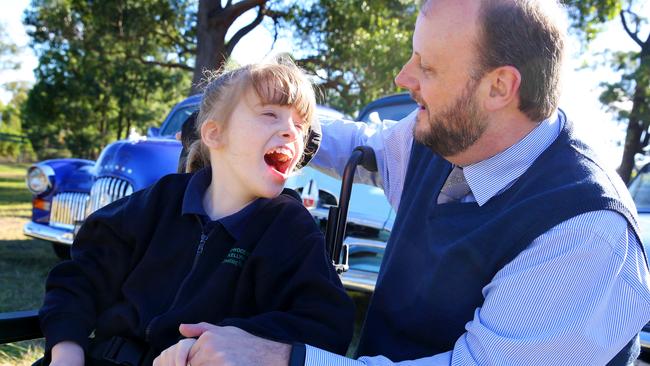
[{"x": 19, "y": 326}]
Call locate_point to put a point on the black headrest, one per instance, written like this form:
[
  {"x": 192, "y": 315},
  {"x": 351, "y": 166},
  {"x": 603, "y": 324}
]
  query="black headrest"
[{"x": 312, "y": 143}]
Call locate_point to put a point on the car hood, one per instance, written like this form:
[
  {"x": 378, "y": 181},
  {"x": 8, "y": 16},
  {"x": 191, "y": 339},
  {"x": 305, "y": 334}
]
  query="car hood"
[{"x": 141, "y": 162}]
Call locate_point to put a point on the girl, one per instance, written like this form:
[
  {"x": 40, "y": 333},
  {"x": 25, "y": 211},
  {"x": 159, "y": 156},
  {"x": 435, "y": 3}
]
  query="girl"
[{"x": 222, "y": 245}]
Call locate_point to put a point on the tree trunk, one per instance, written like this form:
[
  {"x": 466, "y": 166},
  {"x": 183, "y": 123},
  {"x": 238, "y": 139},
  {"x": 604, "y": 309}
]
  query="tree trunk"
[
  {"x": 635, "y": 128},
  {"x": 211, "y": 42},
  {"x": 632, "y": 143}
]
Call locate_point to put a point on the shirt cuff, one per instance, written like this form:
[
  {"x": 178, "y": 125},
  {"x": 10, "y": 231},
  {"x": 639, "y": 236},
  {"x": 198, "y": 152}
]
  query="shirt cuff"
[
  {"x": 318, "y": 357},
  {"x": 297, "y": 357}
]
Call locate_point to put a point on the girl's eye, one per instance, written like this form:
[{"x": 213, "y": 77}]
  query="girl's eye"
[
  {"x": 300, "y": 126},
  {"x": 270, "y": 114}
]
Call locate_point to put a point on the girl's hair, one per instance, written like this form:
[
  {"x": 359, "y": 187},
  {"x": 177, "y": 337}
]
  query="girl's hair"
[{"x": 278, "y": 82}]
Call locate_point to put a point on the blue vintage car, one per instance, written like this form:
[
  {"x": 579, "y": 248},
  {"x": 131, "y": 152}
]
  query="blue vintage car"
[{"x": 66, "y": 191}]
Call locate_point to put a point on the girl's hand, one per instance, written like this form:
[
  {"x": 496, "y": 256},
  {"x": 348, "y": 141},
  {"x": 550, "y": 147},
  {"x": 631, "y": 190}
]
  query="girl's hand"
[{"x": 67, "y": 354}]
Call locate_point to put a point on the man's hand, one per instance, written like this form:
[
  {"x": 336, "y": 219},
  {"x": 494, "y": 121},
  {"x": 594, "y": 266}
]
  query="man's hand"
[
  {"x": 176, "y": 355},
  {"x": 67, "y": 354},
  {"x": 230, "y": 346}
]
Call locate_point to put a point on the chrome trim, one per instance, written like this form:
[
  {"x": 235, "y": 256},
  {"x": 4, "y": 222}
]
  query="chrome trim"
[
  {"x": 107, "y": 190},
  {"x": 354, "y": 241},
  {"x": 68, "y": 208},
  {"x": 323, "y": 213},
  {"x": 48, "y": 233},
  {"x": 645, "y": 340},
  {"x": 359, "y": 280},
  {"x": 355, "y": 279}
]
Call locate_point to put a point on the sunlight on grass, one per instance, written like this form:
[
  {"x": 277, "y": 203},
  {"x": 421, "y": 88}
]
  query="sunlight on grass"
[{"x": 21, "y": 353}]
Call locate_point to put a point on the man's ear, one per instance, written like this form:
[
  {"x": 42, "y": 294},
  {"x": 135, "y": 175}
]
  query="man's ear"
[
  {"x": 212, "y": 134},
  {"x": 504, "y": 83}
]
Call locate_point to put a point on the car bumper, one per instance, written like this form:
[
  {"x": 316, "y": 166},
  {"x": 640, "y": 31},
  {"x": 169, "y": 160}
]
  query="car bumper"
[
  {"x": 645, "y": 339},
  {"x": 48, "y": 233}
]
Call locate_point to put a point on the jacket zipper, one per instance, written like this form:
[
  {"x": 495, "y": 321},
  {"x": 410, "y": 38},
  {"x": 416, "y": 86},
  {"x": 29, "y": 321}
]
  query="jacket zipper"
[{"x": 197, "y": 255}]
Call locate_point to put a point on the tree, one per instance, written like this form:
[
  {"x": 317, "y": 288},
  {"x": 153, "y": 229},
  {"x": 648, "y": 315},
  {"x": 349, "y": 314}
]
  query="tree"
[
  {"x": 215, "y": 20},
  {"x": 355, "y": 47},
  {"x": 8, "y": 51},
  {"x": 634, "y": 86},
  {"x": 104, "y": 67}
]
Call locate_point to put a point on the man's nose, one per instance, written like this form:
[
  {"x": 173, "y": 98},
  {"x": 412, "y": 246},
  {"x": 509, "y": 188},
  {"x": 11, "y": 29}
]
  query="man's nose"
[{"x": 405, "y": 80}]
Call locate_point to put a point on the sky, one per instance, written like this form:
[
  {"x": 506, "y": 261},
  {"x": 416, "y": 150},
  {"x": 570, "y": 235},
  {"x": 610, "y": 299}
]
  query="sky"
[{"x": 579, "y": 98}]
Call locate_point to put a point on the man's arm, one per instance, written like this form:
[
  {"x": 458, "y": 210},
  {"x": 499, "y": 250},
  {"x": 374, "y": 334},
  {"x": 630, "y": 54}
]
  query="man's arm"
[
  {"x": 390, "y": 140},
  {"x": 576, "y": 296}
]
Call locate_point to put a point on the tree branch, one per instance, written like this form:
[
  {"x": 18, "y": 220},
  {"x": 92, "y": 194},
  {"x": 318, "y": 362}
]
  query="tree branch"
[
  {"x": 245, "y": 30},
  {"x": 234, "y": 11},
  {"x": 634, "y": 36},
  {"x": 170, "y": 65}
]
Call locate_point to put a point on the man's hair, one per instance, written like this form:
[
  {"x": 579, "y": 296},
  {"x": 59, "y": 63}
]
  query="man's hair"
[{"x": 528, "y": 35}]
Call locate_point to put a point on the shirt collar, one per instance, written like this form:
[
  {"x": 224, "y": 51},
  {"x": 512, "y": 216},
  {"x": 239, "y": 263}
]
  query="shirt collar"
[
  {"x": 235, "y": 224},
  {"x": 492, "y": 176}
]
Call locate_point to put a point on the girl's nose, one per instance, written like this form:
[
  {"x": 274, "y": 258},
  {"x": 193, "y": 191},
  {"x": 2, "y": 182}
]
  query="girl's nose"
[{"x": 289, "y": 130}]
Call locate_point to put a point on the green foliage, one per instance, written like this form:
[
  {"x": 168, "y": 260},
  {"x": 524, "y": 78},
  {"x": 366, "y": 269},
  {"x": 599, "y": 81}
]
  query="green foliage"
[
  {"x": 8, "y": 51},
  {"x": 588, "y": 16},
  {"x": 357, "y": 47},
  {"x": 10, "y": 123},
  {"x": 103, "y": 69},
  {"x": 628, "y": 97}
]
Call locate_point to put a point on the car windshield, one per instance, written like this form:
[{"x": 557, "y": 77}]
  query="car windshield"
[
  {"x": 175, "y": 122},
  {"x": 640, "y": 190},
  {"x": 393, "y": 112}
]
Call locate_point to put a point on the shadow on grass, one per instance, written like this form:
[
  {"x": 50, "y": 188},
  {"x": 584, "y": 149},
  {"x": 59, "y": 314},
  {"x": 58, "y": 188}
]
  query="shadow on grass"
[
  {"x": 361, "y": 301},
  {"x": 24, "y": 265}
]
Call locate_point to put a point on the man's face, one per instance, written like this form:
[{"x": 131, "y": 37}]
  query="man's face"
[{"x": 440, "y": 77}]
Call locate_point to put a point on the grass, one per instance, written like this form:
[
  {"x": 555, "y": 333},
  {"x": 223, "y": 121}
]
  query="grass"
[
  {"x": 15, "y": 199},
  {"x": 24, "y": 262}
]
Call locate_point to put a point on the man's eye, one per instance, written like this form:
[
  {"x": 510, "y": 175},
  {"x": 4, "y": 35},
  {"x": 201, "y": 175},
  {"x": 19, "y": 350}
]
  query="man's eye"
[{"x": 425, "y": 68}]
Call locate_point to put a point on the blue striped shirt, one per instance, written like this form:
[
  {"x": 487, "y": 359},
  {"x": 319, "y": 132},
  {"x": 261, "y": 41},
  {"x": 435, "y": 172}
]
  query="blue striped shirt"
[{"x": 576, "y": 295}]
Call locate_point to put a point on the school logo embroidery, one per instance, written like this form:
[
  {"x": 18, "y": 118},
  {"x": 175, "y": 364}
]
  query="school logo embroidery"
[{"x": 236, "y": 257}]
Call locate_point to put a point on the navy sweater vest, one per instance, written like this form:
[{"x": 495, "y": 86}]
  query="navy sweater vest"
[{"x": 439, "y": 257}]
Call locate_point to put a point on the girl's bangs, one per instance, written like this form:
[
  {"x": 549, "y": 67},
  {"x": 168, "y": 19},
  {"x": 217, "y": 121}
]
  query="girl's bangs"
[{"x": 285, "y": 85}]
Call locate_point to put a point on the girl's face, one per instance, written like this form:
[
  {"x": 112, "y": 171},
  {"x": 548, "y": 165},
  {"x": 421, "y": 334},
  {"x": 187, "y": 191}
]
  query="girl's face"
[{"x": 259, "y": 148}]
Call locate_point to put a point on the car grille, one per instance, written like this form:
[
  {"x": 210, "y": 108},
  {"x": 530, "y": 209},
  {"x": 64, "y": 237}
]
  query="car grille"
[
  {"x": 67, "y": 208},
  {"x": 107, "y": 190}
]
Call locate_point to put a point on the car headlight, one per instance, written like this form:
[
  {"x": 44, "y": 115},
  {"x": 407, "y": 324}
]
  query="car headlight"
[{"x": 38, "y": 180}]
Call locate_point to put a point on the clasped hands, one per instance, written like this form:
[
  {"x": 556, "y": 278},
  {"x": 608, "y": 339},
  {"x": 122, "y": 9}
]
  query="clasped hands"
[{"x": 208, "y": 344}]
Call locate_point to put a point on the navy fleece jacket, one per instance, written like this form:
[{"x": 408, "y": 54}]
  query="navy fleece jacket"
[{"x": 140, "y": 268}]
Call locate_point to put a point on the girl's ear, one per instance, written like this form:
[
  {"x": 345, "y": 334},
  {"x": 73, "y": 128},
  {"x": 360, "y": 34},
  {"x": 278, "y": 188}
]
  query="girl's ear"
[{"x": 211, "y": 134}]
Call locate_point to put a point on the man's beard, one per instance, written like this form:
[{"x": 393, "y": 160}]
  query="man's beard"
[{"x": 456, "y": 127}]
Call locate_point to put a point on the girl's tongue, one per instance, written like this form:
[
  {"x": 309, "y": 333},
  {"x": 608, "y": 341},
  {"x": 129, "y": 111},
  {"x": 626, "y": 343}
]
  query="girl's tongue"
[{"x": 278, "y": 160}]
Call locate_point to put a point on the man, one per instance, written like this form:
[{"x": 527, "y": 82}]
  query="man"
[{"x": 512, "y": 246}]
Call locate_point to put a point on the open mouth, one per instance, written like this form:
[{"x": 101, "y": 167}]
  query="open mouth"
[{"x": 279, "y": 158}]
